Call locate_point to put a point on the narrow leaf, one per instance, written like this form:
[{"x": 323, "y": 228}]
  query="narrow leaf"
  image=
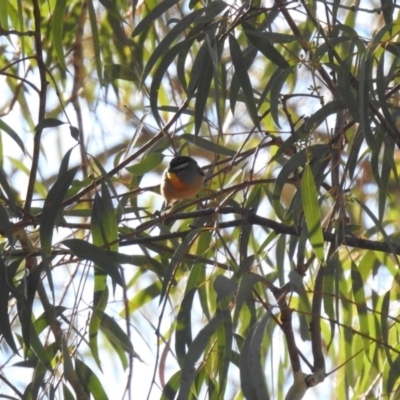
[
  {"x": 195, "y": 350},
  {"x": 278, "y": 79},
  {"x": 6, "y": 227},
  {"x": 13, "y": 135},
  {"x": 361, "y": 305},
  {"x": 114, "y": 332},
  {"x": 173, "y": 34},
  {"x": 52, "y": 207},
  {"x": 158, "y": 76},
  {"x": 89, "y": 380},
  {"x": 252, "y": 376},
  {"x": 323, "y": 113},
  {"x": 5, "y": 324},
  {"x": 203, "y": 88},
  {"x": 172, "y": 387},
  {"x": 155, "y": 13},
  {"x": 265, "y": 46},
  {"x": 244, "y": 79},
  {"x": 299, "y": 159},
  {"x": 88, "y": 251},
  {"x": 175, "y": 261},
  {"x": 312, "y": 212},
  {"x": 7, "y": 189},
  {"x": 48, "y": 123},
  {"x": 57, "y": 27},
  {"x": 95, "y": 37},
  {"x": 147, "y": 164},
  {"x": 207, "y": 145}
]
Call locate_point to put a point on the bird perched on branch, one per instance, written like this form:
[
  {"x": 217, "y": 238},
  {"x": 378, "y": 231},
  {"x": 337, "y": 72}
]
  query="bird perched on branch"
[{"x": 181, "y": 180}]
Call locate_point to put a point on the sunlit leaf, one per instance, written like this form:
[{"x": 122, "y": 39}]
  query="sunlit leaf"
[
  {"x": 90, "y": 380},
  {"x": 195, "y": 350},
  {"x": 312, "y": 214}
]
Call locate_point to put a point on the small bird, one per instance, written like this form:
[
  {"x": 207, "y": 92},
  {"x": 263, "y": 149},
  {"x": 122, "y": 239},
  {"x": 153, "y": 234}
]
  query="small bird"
[{"x": 181, "y": 180}]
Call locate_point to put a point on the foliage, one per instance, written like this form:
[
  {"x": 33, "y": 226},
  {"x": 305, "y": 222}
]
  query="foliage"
[{"x": 280, "y": 278}]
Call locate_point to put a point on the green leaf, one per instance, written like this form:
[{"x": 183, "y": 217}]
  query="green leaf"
[
  {"x": 322, "y": 114},
  {"x": 104, "y": 232},
  {"x": 394, "y": 373},
  {"x": 104, "y": 221},
  {"x": 316, "y": 153},
  {"x": 143, "y": 297},
  {"x": 89, "y": 380},
  {"x": 249, "y": 56},
  {"x": 207, "y": 145},
  {"x": 347, "y": 91},
  {"x": 95, "y": 37},
  {"x": 158, "y": 77},
  {"x": 159, "y": 10},
  {"x": 180, "y": 27},
  {"x": 262, "y": 43},
  {"x": 252, "y": 377},
  {"x": 176, "y": 260},
  {"x": 67, "y": 393},
  {"x": 147, "y": 164},
  {"x": 361, "y": 305},
  {"x": 105, "y": 176},
  {"x": 39, "y": 349},
  {"x": 118, "y": 71},
  {"x": 48, "y": 123},
  {"x": 67, "y": 364},
  {"x": 74, "y": 132},
  {"x": 57, "y": 27},
  {"x": 172, "y": 386},
  {"x": 224, "y": 340},
  {"x": 381, "y": 88},
  {"x": 13, "y": 135},
  {"x": 4, "y": 14},
  {"x": 243, "y": 77},
  {"x": 52, "y": 207},
  {"x": 6, "y": 278},
  {"x": 378, "y": 225},
  {"x": 112, "y": 8},
  {"x": 385, "y": 326},
  {"x": 364, "y": 79},
  {"x": 114, "y": 332},
  {"x": 40, "y": 371},
  {"x": 312, "y": 212},
  {"x": 203, "y": 88},
  {"x": 244, "y": 292},
  {"x": 183, "y": 331},
  {"x": 278, "y": 79},
  {"x": 195, "y": 350},
  {"x": 6, "y": 227},
  {"x": 6, "y": 187},
  {"x": 101, "y": 258}
]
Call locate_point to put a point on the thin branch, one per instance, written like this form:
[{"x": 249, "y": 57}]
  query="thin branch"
[{"x": 42, "y": 103}]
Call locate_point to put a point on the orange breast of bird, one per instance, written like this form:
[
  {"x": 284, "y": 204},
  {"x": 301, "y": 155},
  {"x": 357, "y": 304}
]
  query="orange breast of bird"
[{"x": 177, "y": 183}]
